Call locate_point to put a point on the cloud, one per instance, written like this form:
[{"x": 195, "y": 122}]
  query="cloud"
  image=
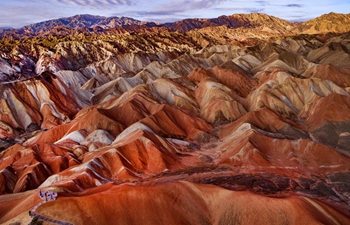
[
  {"x": 97, "y": 3},
  {"x": 188, "y": 5},
  {"x": 239, "y": 9},
  {"x": 16, "y": 13},
  {"x": 152, "y": 13},
  {"x": 174, "y": 10},
  {"x": 157, "y": 16},
  {"x": 263, "y": 3},
  {"x": 255, "y": 10},
  {"x": 294, "y": 5},
  {"x": 17, "y": 16}
]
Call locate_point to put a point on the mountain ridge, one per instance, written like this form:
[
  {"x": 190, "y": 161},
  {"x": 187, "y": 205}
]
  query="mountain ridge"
[
  {"x": 331, "y": 22},
  {"x": 83, "y": 20},
  {"x": 250, "y": 20}
]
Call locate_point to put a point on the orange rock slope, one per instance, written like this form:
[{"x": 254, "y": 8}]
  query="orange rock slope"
[{"x": 230, "y": 134}]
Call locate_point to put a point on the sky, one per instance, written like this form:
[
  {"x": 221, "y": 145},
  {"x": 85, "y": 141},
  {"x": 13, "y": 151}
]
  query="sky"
[{"x": 18, "y": 13}]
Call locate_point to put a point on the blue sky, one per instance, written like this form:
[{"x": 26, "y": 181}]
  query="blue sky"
[{"x": 17, "y": 13}]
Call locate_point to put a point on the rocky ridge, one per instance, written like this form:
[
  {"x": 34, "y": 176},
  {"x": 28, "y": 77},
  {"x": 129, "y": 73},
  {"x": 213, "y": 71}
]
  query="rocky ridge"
[{"x": 332, "y": 22}]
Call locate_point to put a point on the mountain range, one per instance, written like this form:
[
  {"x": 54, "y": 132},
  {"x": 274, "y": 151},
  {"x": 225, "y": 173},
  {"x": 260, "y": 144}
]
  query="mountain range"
[
  {"x": 242, "y": 119},
  {"x": 332, "y": 22}
]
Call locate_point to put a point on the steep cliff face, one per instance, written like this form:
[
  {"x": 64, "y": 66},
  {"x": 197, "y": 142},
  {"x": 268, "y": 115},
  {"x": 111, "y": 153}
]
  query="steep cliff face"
[{"x": 196, "y": 127}]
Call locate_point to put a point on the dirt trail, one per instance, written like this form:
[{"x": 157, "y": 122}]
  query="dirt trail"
[{"x": 46, "y": 196}]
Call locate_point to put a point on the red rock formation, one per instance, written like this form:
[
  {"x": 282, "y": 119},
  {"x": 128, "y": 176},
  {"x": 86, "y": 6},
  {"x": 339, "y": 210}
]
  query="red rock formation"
[{"x": 190, "y": 204}]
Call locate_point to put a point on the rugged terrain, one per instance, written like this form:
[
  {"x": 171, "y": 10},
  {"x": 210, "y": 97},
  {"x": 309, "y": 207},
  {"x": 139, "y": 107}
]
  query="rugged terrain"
[
  {"x": 260, "y": 22},
  {"x": 216, "y": 125}
]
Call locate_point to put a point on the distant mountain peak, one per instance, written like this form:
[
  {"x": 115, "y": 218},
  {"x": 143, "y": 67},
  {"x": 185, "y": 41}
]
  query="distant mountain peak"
[
  {"x": 81, "y": 21},
  {"x": 331, "y": 22}
]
